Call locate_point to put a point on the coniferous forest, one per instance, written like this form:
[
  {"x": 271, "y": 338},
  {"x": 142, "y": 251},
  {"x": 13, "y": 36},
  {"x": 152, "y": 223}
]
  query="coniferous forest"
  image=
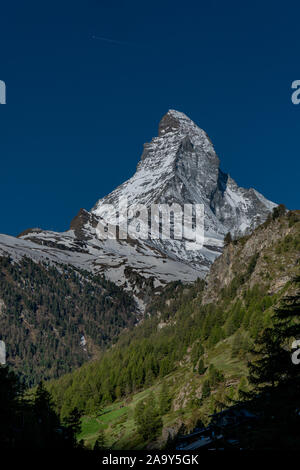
[
  {"x": 177, "y": 369},
  {"x": 54, "y": 319}
]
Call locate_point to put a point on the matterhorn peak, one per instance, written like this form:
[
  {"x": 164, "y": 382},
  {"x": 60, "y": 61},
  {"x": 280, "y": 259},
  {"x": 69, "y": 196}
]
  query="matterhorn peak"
[
  {"x": 174, "y": 121},
  {"x": 181, "y": 166}
]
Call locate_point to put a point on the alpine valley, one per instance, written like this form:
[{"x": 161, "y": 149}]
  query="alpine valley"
[
  {"x": 44, "y": 272},
  {"x": 143, "y": 337}
]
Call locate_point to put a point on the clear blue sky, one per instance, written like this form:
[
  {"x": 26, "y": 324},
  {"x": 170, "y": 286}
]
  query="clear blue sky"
[{"x": 79, "y": 109}]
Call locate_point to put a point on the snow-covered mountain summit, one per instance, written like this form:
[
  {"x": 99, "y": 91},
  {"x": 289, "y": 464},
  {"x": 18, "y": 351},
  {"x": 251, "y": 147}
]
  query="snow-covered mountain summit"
[
  {"x": 178, "y": 166},
  {"x": 181, "y": 166}
]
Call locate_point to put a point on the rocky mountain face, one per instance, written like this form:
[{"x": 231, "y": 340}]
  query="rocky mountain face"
[
  {"x": 270, "y": 257},
  {"x": 179, "y": 166}
]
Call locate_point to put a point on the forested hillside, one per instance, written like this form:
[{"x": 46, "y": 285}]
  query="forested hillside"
[
  {"x": 193, "y": 349},
  {"x": 54, "y": 319}
]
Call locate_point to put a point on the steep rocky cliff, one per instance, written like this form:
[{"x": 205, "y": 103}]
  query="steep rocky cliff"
[{"x": 270, "y": 257}]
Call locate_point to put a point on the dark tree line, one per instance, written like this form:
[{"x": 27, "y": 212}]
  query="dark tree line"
[
  {"x": 275, "y": 378},
  {"x": 29, "y": 421}
]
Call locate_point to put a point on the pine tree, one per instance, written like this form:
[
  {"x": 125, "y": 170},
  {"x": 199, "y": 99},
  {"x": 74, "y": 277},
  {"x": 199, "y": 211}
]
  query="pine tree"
[
  {"x": 10, "y": 393},
  {"x": 276, "y": 380},
  {"x": 100, "y": 442},
  {"x": 278, "y": 211},
  {"x": 47, "y": 420},
  {"x": 237, "y": 345},
  {"x": 165, "y": 400},
  {"x": 201, "y": 367},
  {"x": 215, "y": 376},
  {"x": 72, "y": 423},
  {"x": 205, "y": 389},
  {"x": 147, "y": 418},
  {"x": 274, "y": 366},
  {"x": 266, "y": 372}
]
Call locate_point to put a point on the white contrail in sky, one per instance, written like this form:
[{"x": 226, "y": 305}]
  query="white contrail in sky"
[{"x": 114, "y": 41}]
